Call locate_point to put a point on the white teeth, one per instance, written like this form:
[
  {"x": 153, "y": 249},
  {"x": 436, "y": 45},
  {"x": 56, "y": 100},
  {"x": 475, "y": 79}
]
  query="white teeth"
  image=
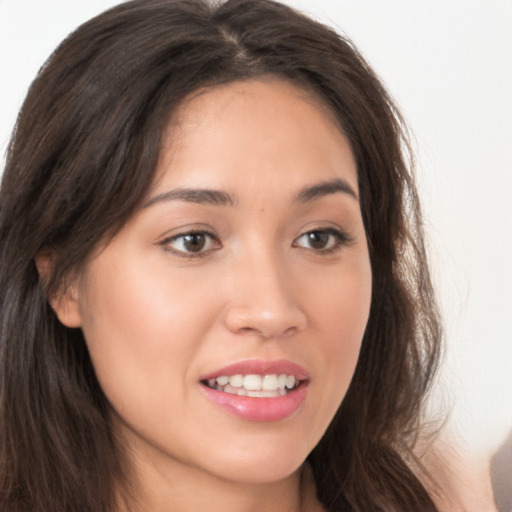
[
  {"x": 237, "y": 381},
  {"x": 255, "y": 385},
  {"x": 270, "y": 383},
  {"x": 290, "y": 382},
  {"x": 252, "y": 382}
]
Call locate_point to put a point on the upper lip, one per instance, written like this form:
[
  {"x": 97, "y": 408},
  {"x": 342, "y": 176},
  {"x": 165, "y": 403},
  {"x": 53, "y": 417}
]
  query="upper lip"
[{"x": 260, "y": 367}]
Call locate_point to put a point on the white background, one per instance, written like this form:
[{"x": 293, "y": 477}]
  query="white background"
[{"x": 449, "y": 65}]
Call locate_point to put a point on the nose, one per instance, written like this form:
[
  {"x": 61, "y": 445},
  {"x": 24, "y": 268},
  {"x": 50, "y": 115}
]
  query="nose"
[{"x": 263, "y": 301}]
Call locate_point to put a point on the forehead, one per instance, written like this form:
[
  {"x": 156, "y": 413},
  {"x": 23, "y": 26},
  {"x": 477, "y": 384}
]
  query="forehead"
[
  {"x": 268, "y": 87},
  {"x": 254, "y": 128}
]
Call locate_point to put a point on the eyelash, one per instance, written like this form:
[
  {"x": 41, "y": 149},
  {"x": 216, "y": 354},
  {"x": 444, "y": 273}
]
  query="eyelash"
[
  {"x": 210, "y": 238},
  {"x": 341, "y": 239}
]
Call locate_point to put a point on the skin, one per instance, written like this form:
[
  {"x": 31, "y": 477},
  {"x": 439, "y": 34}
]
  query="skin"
[{"x": 156, "y": 316}]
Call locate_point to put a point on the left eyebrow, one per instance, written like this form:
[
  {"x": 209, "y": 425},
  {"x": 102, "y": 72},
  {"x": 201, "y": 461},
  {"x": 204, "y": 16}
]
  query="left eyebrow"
[{"x": 325, "y": 188}]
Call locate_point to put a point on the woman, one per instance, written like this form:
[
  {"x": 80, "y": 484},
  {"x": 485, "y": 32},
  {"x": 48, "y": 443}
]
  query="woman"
[{"x": 214, "y": 287}]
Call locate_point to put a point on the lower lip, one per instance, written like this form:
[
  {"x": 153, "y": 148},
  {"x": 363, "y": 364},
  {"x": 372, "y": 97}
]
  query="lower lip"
[{"x": 258, "y": 409}]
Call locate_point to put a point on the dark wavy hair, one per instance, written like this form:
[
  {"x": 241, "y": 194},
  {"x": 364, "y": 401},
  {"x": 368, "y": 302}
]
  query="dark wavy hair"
[{"x": 83, "y": 155}]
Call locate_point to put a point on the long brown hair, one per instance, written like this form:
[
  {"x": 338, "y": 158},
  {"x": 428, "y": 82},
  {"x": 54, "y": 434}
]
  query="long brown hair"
[{"x": 82, "y": 156}]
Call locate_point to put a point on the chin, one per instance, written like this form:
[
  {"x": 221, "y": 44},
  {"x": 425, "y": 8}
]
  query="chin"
[
  {"x": 260, "y": 462},
  {"x": 260, "y": 472}
]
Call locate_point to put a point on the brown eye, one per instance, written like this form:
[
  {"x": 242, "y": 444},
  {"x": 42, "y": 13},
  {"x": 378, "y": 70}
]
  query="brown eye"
[
  {"x": 322, "y": 240},
  {"x": 318, "y": 239},
  {"x": 196, "y": 243}
]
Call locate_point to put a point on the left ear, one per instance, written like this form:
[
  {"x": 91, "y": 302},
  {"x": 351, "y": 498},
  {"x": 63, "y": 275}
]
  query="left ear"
[{"x": 64, "y": 300}]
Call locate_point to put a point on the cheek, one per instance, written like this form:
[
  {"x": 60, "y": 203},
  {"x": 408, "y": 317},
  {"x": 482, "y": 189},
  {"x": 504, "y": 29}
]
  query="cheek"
[
  {"x": 342, "y": 345},
  {"x": 340, "y": 303},
  {"x": 347, "y": 310},
  {"x": 353, "y": 299},
  {"x": 339, "y": 307},
  {"x": 142, "y": 330}
]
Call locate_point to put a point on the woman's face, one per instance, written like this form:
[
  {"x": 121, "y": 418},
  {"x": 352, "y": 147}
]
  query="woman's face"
[{"x": 245, "y": 273}]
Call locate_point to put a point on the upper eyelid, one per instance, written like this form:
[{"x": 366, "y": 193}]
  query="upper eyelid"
[
  {"x": 191, "y": 232},
  {"x": 188, "y": 230},
  {"x": 335, "y": 231}
]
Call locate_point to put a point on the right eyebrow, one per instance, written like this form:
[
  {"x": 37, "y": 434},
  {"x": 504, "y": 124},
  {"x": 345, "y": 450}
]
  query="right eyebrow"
[{"x": 194, "y": 195}]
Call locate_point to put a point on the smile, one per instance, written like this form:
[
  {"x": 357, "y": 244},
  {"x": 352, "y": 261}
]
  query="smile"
[
  {"x": 255, "y": 386},
  {"x": 258, "y": 390}
]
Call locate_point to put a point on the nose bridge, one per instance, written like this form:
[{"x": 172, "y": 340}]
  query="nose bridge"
[{"x": 263, "y": 300}]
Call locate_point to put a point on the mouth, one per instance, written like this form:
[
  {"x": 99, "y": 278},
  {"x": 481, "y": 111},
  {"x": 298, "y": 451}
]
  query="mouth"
[
  {"x": 257, "y": 390},
  {"x": 255, "y": 385}
]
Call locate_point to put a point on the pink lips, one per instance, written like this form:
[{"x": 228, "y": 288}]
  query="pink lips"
[{"x": 259, "y": 409}]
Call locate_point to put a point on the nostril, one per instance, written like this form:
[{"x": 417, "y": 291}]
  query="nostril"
[{"x": 290, "y": 331}]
